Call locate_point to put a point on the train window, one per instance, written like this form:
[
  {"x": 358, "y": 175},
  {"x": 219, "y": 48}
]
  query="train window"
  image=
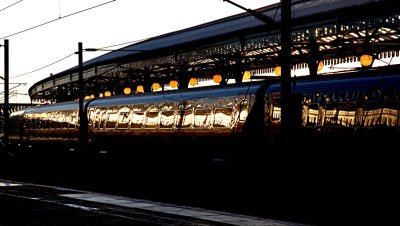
[
  {"x": 243, "y": 110},
  {"x": 103, "y": 118},
  {"x": 167, "y": 119},
  {"x": 186, "y": 118},
  {"x": 331, "y": 115},
  {"x": 123, "y": 120},
  {"x": 389, "y": 117},
  {"x": 71, "y": 121},
  {"x": 346, "y": 114},
  {"x": 222, "y": 117},
  {"x": 275, "y": 108},
  {"x": 151, "y": 119},
  {"x": 371, "y": 114},
  {"x": 59, "y": 121},
  {"x": 111, "y": 119},
  {"x": 312, "y": 115},
  {"x": 95, "y": 116},
  {"x": 137, "y": 119},
  {"x": 202, "y": 118}
]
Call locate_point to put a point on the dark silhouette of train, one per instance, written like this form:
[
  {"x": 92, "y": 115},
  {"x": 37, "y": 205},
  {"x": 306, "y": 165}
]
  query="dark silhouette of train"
[
  {"x": 338, "y": 156},
  {"x": 346, "y": 113}
]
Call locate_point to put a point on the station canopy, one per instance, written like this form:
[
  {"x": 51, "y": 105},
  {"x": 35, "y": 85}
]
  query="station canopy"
[{"x": 323, "y": 32}]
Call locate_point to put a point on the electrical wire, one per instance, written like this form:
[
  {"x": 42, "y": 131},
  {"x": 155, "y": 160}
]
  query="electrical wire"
[
  {"x": 10, "y": 5},
  {"x": 59, "y": 18},
  {"x": 131, "y": 42},
  {"x": 15, "y": 76},
  {"x": 100, "y": 49}
]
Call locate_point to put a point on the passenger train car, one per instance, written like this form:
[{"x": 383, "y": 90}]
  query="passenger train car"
[
  {"x": 196, "y": 123},
  {"x": 346, "y": 113}
]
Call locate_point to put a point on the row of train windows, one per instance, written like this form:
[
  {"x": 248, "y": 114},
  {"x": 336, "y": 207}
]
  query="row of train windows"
[
  {"x": 346, "y": 115},
  {"x": 199, "y": 118},
  {"x": 351, "y": 95},
  {"x": 111, "y": 119}
]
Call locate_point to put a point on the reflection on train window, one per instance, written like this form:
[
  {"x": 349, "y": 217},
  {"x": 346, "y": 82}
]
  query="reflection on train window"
[
  {"x": 389, "y": 117},
  {"x": 187, "y": 119},
  {"x": 243, "y": 110},
  {"x": 222, "y": 117},
  {"x": 202, "y": 118},
  {"x": 346, "y": 114},
  {"x": 331, "y": 115},
  {"x": 371, "y": 114},
  {"x": 167, "y": 119},
  {"x": 312, "y": 115},
  {"x": 137, "y": 120},
  {"x": 275, "y": 114},
  {"x": 111, "y": 119},
  {"x": 151, "y": 119},
  {"x": 123, "y": 120},
  {"x": 95, "y": 118},
  {"x": 59, "y": 121}
]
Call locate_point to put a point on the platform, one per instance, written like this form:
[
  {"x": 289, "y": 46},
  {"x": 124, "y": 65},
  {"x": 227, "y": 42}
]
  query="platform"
[{"x": 33, "y": 204}]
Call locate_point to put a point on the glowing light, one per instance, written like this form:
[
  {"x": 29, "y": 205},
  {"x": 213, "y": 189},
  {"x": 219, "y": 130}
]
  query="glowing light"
[
  {"x": 366, "y": 60},
  {"x": 193, "y": 81},
  {"x": 320, "y": 65},
  {"x": 107, "y": 93},
  {"x": 277, "y": 70},
  {"x": 217, "y": 78},
  {"x": 155, "y": 86},
  {"x": 140, "y": 89},
  {"x": 246, "y": 75},
  {"x": 173, "y": 84},
  {"x": 127, "y": 90}
]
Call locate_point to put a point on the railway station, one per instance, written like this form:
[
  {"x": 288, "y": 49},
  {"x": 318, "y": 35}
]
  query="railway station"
[
  {"x": 263, "y": 104},
  {"x": 237, "y": 49}
]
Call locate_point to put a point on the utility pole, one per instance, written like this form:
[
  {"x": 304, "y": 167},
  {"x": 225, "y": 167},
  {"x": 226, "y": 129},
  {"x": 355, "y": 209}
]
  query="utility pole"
[
  {"x": 82, "y": 117},
  {"x": 285, "y": 60},
  {"x": 6, "y": 93},
  {"x": 287, "y": 120}
]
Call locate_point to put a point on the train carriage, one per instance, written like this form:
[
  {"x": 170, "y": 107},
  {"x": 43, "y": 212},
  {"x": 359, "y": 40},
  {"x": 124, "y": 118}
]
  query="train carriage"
[
  {"x": 344, "y": 113},
  {"x": 196, "y": 123}
]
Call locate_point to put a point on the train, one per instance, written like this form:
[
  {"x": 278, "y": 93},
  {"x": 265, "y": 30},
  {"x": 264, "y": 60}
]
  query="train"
[
  {"x": 346, "y": 113},
  {"x": 338, "y": 155}
]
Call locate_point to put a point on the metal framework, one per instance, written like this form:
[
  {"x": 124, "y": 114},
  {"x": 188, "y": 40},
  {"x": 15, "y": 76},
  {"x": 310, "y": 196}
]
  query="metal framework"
[{"x": 321, "y": 31}]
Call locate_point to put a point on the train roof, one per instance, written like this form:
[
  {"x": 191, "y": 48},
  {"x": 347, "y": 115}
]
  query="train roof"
[
  {"x": 344, "y": 82},
  {"x": 180, "y": 95},
  {"x": 61, "y": 106},
  {"x": 151, "y": 97}
]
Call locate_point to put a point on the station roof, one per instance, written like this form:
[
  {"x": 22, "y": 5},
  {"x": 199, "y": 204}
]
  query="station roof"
[{"x": 339, "y": 30}]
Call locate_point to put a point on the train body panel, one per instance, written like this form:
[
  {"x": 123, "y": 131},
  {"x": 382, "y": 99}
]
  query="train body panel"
[
  {"x": 219, "y": 112},
  {"x": 206, "y": 120},
  {"x": 240, "y": 119}
]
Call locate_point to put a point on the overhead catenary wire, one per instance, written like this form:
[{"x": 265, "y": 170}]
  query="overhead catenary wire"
[
  {"x": 87, "y": 49},
  {"x": 125, "y": 43},
  {"x": 59, "y": 18},
  {"x": 10, "y": 5},
  {"x": 15, "y": 76}
]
